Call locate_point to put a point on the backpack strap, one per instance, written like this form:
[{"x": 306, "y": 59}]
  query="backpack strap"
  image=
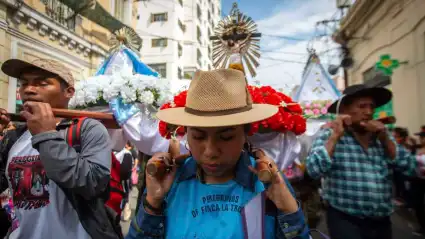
[
  {"x": 96, "y": 218},
  {"x": 73, "y": 135}
]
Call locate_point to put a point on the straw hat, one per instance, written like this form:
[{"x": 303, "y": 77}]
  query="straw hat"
[{"x": 215, "y": 99}]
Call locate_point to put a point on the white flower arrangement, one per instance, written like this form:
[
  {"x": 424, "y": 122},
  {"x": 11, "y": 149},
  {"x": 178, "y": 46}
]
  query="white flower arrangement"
[{"x": 133, "y": 88}]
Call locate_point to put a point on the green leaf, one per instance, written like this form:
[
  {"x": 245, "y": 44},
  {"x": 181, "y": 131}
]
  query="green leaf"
[
  {"x": 385, "y": 57},
  {"x": 388, "y": 71},
  {"x": 395, "y": 64},
  {"x": 379, "y": 66}
]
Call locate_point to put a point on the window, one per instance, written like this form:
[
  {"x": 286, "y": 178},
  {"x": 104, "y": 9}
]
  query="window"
[
  {"x": 160, "y": 42},
  {"x": 188, "y": 75},
  {"x": 199, "y": 57},
  {"x": 60, "y": 13},
  {"x": 181, "y": 2},
  {"x": 161, "y": 68},
  {"x": 199, "y": 12},
  {"x": 182, "y": 26},
  {"x": 179, "y": 49},
  {"x": 119, "y": 9},
  {"x": 159, "y": 17},
  {"x": 374, "y": 78},
  {"x": 209, "y": 51},
  {"x": 199, "y": 34},
  {"x": 179, "y": 73},
  {"x": 209, "y": 16},
  {"x": 209, "y": 33}
]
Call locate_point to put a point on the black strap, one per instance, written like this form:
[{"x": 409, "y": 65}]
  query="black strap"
[
  {"x": 97, "y": 219},
  {"x": 117, "y": 190}
]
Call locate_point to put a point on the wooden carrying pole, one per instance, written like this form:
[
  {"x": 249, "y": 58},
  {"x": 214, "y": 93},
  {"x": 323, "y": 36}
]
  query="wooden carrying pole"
[{"x": 106, "y": 119}]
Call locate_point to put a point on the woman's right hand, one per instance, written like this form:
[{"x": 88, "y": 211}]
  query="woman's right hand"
[{"x": 157, "y": 188}]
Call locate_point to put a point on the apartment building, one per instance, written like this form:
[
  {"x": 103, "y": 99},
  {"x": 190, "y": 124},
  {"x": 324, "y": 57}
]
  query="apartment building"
[
  {"x": 176, "y": 34},
  {"x": 201, "y": 18},
  {"x": 49, "y": 29}
]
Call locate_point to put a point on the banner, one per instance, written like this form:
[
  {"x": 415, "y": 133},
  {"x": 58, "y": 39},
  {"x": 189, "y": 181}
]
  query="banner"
[{"x": 385, "y": 111}]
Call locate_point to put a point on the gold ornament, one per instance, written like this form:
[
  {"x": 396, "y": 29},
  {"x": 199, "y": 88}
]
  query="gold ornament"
[
  {"x": 237, "y": 42},
  {"x": 125, "y": 36}
]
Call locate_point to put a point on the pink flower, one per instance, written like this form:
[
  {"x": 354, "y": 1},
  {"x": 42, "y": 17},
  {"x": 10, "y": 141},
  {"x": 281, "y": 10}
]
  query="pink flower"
[
  {"x": 324, "y": 110},
  {"x": 307, "y": 105},
  {"x": 308, "y": 112},
  {"x": 328, "y": 104},
  {"x": 316, "y": 111},
  {"x": 316, "y": 106}
]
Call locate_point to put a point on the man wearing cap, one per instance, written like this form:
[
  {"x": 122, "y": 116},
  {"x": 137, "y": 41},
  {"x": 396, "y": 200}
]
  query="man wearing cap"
[
  {"x": 354, "y": 155},
  {"x": 48, "y": 178}
]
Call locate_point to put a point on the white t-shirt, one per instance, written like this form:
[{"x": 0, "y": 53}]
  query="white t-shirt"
[{"x": 41, "y": 207}]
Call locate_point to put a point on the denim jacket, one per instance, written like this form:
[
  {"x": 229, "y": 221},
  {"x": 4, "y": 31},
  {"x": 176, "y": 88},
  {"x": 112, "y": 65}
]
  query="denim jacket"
[{"x": 196, "y": 210}]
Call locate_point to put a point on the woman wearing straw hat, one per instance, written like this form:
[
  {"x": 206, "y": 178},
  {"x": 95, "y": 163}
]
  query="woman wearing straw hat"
[{"x": 216, "y": 193}]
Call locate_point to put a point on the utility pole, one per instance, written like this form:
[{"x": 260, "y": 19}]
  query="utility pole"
[{"x": 332, "y": 24}]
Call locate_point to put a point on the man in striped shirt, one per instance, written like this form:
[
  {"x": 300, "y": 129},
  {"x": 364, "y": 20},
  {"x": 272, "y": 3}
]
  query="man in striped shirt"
[{"x": 355, "y": 155}]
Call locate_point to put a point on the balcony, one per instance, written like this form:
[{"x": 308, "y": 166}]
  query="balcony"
[
  {"x": 199, "y": 58},
  {"x": 199, "y": 12},
  {"x": 180, "y": 50},
  {"x": 60, "y": 13},
  {"x": 182, "y": 26}
]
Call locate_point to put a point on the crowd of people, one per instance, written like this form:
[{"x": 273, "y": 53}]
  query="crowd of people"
[
  {"x": 59, "y": 173},
  {"x": 410, "y": 191}
]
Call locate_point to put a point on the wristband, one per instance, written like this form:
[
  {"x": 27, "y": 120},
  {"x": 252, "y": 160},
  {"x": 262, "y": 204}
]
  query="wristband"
[{"x": 155, "y": 210}]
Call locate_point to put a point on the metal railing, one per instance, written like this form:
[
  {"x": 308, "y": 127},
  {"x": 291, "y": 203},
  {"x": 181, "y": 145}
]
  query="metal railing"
[{"x": 60, "y": 13}]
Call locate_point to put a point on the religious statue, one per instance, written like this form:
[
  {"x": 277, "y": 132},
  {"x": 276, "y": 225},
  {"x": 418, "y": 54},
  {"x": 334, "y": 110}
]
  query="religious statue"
[{"x": 236, "y": 43}]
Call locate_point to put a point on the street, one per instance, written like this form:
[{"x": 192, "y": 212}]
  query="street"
[{"x": 401, "y": 229}]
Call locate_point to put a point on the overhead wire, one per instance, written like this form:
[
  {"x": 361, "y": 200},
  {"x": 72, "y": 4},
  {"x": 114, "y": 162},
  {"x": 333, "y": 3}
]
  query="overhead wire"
[{"x": 281, "y": 61}]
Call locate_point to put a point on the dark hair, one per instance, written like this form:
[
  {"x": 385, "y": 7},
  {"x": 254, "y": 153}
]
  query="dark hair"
[
  {"x": 63, "y": 84},
  {"x": 403, "y": 132}
]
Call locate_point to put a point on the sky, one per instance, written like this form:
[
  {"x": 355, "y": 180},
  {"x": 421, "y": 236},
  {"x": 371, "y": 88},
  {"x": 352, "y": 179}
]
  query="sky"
[{"x": 288, "y": 27}]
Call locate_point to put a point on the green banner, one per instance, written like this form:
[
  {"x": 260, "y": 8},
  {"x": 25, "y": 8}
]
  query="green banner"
[{"x": 385, "y": 111}]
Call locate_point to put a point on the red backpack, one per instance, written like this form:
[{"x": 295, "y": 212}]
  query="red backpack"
[{"x": 116, "y": 190}]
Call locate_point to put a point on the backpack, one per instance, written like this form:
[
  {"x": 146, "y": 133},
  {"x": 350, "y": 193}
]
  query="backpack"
[
  {"x": 116, "y": 190},
  {"x": 96, "y": 215}
]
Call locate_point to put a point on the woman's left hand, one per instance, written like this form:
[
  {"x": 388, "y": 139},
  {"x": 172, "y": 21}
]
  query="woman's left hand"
[{"x": 278, "y": 191}]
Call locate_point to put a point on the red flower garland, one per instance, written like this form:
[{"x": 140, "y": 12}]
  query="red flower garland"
[{"x": 288, "y": 118}]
